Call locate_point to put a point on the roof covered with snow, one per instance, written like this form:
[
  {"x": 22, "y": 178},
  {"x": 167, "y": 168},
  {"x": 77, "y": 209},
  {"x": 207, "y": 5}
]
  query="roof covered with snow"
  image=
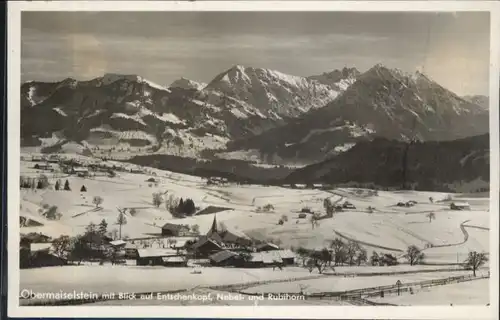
[
  {"x": 461, "y": 204},
  {"x": 117, "y": 242},
  {"x": 40, "y": 246},
  {"x": 222, "y": 255},
  {"x": 173, "y": 259},
  {"x": 265, "y": 257},
  {"x": 155, "y": 252}
]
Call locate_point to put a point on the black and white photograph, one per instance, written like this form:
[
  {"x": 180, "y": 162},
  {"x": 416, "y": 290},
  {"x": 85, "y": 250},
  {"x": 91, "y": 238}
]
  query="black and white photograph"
[{"x": 258, "y": 158}]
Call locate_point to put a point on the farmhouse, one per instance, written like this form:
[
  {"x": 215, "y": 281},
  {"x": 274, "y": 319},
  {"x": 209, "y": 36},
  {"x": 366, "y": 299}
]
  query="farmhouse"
[
  {"x": 205, "y": 247},
  {"x": 174, "y": 230},
  {"x": 154, "y": 257},
  {"x": 224, "y": 258},
  {"x": 42, "y": 255},
  {"x": 80, "y": 171},
  {"x": 287, "y": 256},
  {"x": 130, "y": 250},
  {"x": 174, "y": 261},
  {"x": 43, "y": 166},
  {"x": 263, "y": 259},
  {"x": 459, "y": 206}
]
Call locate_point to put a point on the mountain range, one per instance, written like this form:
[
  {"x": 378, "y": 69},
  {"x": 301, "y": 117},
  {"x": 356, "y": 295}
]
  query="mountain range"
[
  {"x": 382, "y": 102},
  {"x": 245, "y": 114},
  {"x": 131, "y": 113}
]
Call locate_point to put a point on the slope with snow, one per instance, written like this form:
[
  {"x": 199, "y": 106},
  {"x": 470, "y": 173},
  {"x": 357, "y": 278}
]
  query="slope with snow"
[
  {"x": 274, "y": 93},
  {"x": 131, "y": 103},
  {"x": 388, "y": 228},
  {"x": 382, "y": 102}
]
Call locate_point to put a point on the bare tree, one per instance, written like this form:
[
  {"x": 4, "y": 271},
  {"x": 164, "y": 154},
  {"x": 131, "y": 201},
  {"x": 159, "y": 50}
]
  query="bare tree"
[
  {"x": 314, "y": 219},
  {"x": 319, "y": 259},
  {"x": 121, "y": 220},
  {"x": 303, "y": 254},
  {"x": 475, "y": 260},
  {"x": 61, "y": 246},
  {"x": 361, "y": 256},
  {"x": 414, "y": 255},
  {"x": 51, "y": 212},
  {"x": 374, "y": 259},
  {"x": 172, "y": 203},
  {"x": 431, "y": 216},
  {"x": 97, "y": 201},
  {"x": 329, "y": 207},
  {"x": 339, "y": 250},
  {"x": 157, "y": 199},
  {"x": 351, "y": 249}
]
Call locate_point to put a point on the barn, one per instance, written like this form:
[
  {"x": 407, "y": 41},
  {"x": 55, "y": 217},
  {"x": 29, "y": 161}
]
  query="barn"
[
  {"x": 224, "y": 258},
  {"x": 174, "y": 261},
  {"x": 153, "y": 257},
  {"x": 205, "y": 247},
  {"x": 459, "y": 206},
  {"x": 267, "y": 247},
  {"x": 287, "y": 256},
  {"x": 173, "y": 230},
  {"x": 130, "y": 251},
  {"x": 41, "y": 255}
]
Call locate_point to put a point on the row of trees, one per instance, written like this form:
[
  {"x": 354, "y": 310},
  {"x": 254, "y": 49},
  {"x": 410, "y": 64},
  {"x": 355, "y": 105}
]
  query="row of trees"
[
  {"x": 66, "y": 187},
  {"x": 351, "y": 253},
  {"x": 338, "y": 253},
  {"x": 42, "y": 182}
]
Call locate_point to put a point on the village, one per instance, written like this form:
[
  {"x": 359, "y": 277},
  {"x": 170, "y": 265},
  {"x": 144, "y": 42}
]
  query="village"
[{"x": 202, "y": 226}]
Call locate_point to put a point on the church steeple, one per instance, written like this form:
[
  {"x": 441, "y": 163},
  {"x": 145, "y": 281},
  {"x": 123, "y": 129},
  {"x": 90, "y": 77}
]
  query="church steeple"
[{"x": 213, "y": 229}]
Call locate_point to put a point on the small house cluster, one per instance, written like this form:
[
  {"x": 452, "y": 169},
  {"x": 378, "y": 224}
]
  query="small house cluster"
[
  {"x": 176, "y": 247},
  {"x": 459, "y": 206}
]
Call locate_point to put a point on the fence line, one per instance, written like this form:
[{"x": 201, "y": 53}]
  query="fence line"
[{"x": 357, "y": 294}]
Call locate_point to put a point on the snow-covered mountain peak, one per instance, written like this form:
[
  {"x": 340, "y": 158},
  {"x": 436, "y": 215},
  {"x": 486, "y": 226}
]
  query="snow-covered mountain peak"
[
  {"x": 185, "y": 83},
  {"x": 109, "y": 78},
  {"x": 274, "y": 93},
  {"x": 339, "y": 79}
]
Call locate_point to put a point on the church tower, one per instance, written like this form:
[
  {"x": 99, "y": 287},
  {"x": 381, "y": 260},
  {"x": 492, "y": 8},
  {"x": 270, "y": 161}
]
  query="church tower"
[{"x": 213, "y": 229}]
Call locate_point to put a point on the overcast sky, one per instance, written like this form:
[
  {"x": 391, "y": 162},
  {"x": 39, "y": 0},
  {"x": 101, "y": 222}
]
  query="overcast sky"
[{"x": 453, "y": 49}]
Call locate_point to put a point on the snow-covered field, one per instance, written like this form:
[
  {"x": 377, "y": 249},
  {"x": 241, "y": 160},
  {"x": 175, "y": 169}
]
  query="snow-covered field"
[
  {"x": 336, "y": 284},
  {"x": 391, "y": 227},
  {"x": 388, "y": 229},
  {"x": 107, "y": 278},
  {"x": 474, "y": 292}
]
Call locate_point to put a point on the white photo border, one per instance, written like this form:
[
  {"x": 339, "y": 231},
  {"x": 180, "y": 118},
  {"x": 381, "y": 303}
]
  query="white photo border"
[{"x": 289, "y": 312}]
